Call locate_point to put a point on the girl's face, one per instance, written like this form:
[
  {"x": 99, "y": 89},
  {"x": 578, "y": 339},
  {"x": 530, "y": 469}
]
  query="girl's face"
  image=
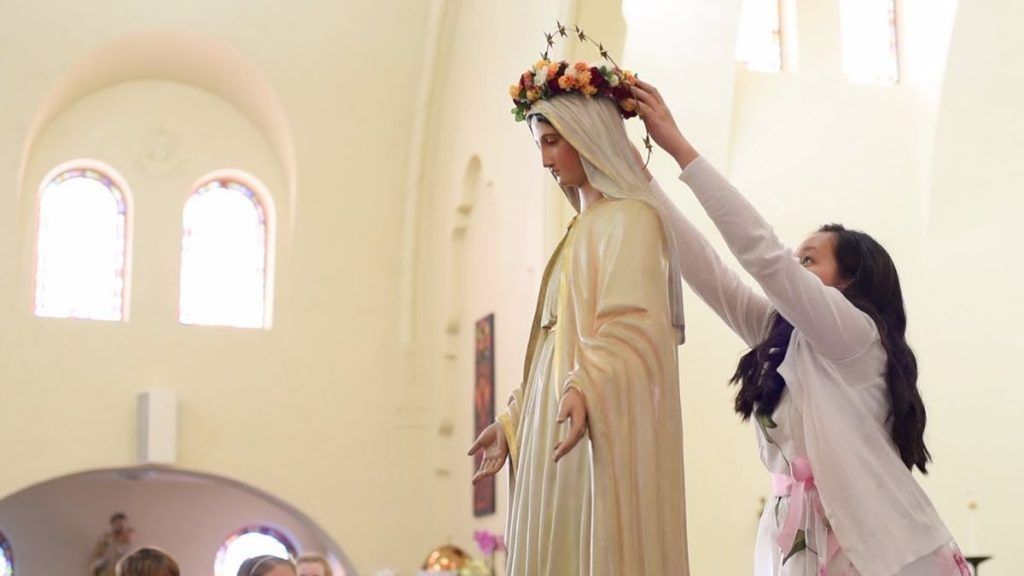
[
  {"x": 818, "y": 254},
  {"x": 558, "y": 155}
]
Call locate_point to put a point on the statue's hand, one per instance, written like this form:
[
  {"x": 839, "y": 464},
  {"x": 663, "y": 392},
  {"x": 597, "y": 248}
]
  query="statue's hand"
[
  {"x": 572, "y": 407},
  {"x": 492, "y": 441}
]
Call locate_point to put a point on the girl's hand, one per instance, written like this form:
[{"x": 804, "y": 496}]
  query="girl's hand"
[{"x": 661, "y": 125}]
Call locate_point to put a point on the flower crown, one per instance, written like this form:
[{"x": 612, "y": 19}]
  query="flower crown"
[{"x": 548, "y": 79}]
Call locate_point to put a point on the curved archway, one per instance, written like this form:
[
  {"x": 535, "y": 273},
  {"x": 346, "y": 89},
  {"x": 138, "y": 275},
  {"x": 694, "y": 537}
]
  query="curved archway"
[
  {"x": 177, "y": 56},
  {"x": 463, "y": 213},
  {"x": 186, "y": 513}
]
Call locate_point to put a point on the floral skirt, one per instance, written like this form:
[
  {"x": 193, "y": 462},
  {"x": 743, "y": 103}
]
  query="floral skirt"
[{"x": 769, "y": 559}]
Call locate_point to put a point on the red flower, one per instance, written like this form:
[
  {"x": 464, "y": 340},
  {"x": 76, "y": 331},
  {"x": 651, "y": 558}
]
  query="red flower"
[{"x": 621, "y": 92}]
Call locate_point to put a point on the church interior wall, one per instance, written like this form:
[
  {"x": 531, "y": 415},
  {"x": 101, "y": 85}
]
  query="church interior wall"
[{"x": 359, "y": 415}]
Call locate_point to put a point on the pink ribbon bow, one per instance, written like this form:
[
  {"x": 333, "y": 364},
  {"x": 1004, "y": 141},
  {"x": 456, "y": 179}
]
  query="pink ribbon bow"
[{"x": 797, "y": 486}]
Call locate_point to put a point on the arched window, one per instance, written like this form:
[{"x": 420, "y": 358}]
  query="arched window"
[
  {"x": 870, "y": 50},
  {"x": 225, "y": 255},
  {"x": 6, "y": 557},
  {"x": 759, "y": 38},
  {"x": 248, "y": 542},
  {"x": 82, "y": 245}
]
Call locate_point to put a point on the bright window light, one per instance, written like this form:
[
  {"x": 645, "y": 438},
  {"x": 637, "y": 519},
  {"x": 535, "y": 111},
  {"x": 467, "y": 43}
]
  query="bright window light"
[
  {"x": 6, "y": 557},
  {"x": 224, "y": 257},
  {"x": 80, "y": 253},
  {"x": 247, "y": 543},
  {"x": 759, "y": 40},
  {"x": 870, "y": 53}
]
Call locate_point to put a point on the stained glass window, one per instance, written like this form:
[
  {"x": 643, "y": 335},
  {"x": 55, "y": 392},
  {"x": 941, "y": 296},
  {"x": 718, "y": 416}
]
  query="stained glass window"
[
  {"x": 870, "y": 50},
  {"x": 6, "y": 557},
  {"x": 224, "y": 257},
  {"x": 80, "y": 252},
  {"x": 248, "y": 542},
  {"x": 759, "y": 39}
]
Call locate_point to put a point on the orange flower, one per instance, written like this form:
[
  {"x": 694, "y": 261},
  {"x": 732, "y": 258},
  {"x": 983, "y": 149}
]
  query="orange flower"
[
  {"x": 628, "y": 77},
  {"x": 588, "y": 90},
  {"x": 567, "y": 82},
  {"x": 581, "y": 66},
  {"x": 540, "y": 64},
  {"x": 552, "y": 69},
  {"x": 629, "y": 105},
  {"x": 583, "y": 77},
  {"x": 513, "y": 90},
  {"x": 533, "y": 95}
]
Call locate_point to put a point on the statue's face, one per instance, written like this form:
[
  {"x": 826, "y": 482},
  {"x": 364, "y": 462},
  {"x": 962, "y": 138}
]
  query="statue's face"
[{"x": 557, "y": 155}]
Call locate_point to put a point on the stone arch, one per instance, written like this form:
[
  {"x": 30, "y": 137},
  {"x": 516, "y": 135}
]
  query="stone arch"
[{"x": 182, "y": 57}]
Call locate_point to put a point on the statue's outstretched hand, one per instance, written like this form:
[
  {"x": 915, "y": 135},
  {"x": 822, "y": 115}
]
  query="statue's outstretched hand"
[
  {"x": 492, "y": 441},
  {"x": 572, "y": 407}
]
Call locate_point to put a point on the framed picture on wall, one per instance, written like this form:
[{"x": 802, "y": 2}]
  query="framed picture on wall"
[{"x": 483, "y": 407}]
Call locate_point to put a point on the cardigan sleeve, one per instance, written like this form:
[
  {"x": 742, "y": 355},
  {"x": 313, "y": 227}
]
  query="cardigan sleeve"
[
  {"x": 741, "y": 308},
  {"x": 832, "y": 325}
]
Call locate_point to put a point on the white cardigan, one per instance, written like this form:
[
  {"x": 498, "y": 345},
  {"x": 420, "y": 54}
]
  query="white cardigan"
[{"x": 834, "y": 370}]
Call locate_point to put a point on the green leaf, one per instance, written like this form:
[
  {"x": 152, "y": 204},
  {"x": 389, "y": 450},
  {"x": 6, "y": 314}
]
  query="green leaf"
[{"x": 799, "y": 545}]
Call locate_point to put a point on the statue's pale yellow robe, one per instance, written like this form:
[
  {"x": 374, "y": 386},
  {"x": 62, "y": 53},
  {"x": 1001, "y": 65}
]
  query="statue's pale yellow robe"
[{"x": 615, "y": 504}]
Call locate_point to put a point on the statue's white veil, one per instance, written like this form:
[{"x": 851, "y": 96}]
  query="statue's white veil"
[{"x": 596, "y": 130}]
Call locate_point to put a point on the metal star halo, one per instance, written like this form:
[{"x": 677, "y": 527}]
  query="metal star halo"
[{"x": 561, "y": 31}]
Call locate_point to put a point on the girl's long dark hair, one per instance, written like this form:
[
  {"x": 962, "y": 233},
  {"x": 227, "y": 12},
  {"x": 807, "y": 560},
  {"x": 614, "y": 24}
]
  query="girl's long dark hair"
[{"x": 874, "y": 288}]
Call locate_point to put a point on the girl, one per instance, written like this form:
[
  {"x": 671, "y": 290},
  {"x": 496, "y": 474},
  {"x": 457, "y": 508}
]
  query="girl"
[{"x": 830, "y": 382}]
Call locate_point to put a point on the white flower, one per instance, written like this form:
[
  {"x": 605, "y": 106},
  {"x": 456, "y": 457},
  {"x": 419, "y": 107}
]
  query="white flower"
[{"x": 541, "y": 78}]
